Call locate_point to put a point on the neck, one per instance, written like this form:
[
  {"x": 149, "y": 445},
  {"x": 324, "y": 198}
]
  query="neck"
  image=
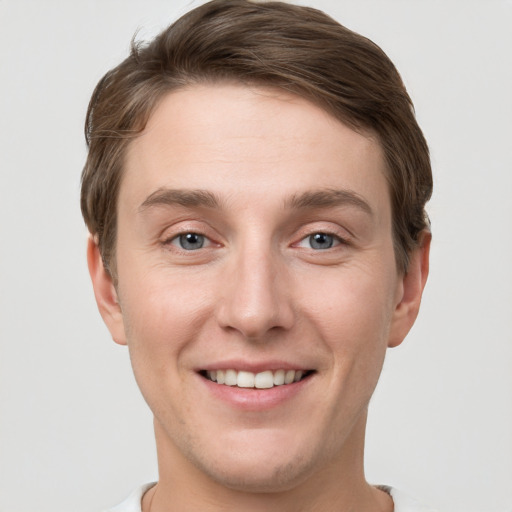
[{"x": 338, "y": 485}]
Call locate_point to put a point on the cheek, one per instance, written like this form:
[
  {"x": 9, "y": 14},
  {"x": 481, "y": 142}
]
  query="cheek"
[
  {"x": 352, "y": 316},
  {"x": 352, "y": 309},
  {"x": 162, "y": 314},
  {"x": 162, "y": 318}
]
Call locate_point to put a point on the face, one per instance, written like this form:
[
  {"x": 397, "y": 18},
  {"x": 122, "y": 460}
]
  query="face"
[{"x": 257, "y": 283}]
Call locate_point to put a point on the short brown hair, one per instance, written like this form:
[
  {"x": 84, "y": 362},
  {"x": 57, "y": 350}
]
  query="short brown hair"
[{"x": 298, "y": 49}]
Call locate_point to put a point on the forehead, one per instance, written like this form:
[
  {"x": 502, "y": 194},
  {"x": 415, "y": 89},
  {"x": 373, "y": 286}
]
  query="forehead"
[{"x": 229, "y": 138}]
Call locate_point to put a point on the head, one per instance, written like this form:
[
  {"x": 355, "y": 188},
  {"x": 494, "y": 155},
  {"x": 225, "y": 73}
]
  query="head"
[
  {"x": 297, "y": 49},
  {"x": 255, "y": 191}
]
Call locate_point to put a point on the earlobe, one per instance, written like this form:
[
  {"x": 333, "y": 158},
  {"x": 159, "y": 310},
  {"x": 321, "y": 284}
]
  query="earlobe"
[
  {"x": 105, "y": 293},
  {"x": 411, "y": 290}
]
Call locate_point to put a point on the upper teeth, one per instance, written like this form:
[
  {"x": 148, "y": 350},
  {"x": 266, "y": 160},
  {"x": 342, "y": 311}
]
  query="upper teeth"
[{"x": 262, "y": 380}]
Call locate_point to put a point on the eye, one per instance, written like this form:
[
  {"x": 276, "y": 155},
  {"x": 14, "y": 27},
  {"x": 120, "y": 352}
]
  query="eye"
[
  {"x": 319, "y": 241},
  {"x": 190, "y": 241}
]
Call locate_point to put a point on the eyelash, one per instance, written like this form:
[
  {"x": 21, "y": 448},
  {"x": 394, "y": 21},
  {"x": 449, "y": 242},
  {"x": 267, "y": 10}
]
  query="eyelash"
[
  {"x": 178, "y": 239},
  {"x": 334, "y": 240}
]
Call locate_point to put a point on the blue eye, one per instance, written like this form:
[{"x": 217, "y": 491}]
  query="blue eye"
[
  {"x": 321, "y": 241},
  {"x": 190, "y": 241}
]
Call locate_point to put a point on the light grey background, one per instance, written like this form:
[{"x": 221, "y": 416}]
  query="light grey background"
[{"x": 75, "y": 434}]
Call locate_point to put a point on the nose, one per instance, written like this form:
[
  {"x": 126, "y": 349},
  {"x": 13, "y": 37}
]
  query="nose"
[{"x": 256, "y": 298}]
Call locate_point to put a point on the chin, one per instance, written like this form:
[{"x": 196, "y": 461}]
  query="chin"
[
  {"x": 258, "y": 478},
  {"x": 258, "y": 467}
]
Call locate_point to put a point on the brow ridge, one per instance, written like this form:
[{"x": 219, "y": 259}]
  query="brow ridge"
[
  {"x": 310, "y": 199},
  {"x": 327, "y": 198},
  {"x": 181, "y": 197}
]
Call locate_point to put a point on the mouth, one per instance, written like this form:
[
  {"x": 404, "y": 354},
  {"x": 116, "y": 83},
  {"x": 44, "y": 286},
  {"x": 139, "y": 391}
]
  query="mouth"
[{"x": 262, "y": 380}]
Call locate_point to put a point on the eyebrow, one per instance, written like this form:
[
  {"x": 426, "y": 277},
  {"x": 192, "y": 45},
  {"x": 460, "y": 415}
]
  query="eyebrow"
[
  {"x": 178, "y": 197},
  {"x": 325, "y": 198},
  {"x": 328, "y": 198}
]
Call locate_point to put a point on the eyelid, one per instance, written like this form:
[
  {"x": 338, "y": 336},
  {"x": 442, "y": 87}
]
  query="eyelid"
[
  {"x": 341, "y": 235},
  {"x": 174, "y": 240},
  {"x": 337, "y": 240},
  {"x": 170, "y": 235}
]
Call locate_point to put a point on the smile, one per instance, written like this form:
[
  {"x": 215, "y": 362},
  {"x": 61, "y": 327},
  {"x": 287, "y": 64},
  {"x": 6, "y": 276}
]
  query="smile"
[{"x": 262, "y": 380}]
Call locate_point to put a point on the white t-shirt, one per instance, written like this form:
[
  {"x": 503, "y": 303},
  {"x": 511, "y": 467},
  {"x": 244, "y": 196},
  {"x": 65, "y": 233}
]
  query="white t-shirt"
[{"x": 403, "y": 503}]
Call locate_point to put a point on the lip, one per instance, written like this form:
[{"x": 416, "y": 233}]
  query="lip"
[
  {"x": 252, "y": 399},
  {"x": 253, "y": 366}
]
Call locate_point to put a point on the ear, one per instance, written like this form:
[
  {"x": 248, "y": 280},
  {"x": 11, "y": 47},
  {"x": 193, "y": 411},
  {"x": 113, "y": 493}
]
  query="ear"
[
  {"x": 105, "y": 293},
  {"x": 409, "y": 291}
]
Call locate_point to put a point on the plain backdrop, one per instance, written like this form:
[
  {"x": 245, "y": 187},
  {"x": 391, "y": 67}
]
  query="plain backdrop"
[{"x": 75, "y": 435}]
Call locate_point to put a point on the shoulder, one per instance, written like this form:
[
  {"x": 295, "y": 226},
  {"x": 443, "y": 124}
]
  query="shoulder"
[
  {"x": 403, "y": 502},
  {"x": 133, "y": 502}
]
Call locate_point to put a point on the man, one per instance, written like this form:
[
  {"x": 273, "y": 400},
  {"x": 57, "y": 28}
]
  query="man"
[{"x": 255, "y": 192}]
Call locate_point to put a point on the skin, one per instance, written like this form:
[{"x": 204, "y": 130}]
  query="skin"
[{"x": 257, "y": 293}]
